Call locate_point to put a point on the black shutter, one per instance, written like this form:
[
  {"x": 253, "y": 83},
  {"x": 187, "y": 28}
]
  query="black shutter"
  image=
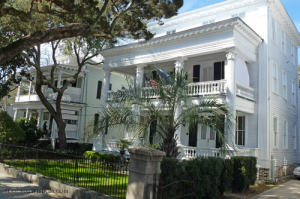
[
  {"x": 96, "y": 120},
  {"x": 65, "y": 81},
  {"x": 99, "y": 90},
  {"x": 154, "y": 75},
  {"x": 74, "y": 84},
  {"x": 55, "y": 83},
  {"x": 219, "y": 70},
  {"x": 110, "y": 86},
  {"x": 196, "y": 73}
]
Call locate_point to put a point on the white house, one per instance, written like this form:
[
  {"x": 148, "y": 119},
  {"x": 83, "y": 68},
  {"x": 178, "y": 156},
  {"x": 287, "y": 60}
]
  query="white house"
[
  {"x": 80, "y": 103},
  {"x": 248, "y": 48}
]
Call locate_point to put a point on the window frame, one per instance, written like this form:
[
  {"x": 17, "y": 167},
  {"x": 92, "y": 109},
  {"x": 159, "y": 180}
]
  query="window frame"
[
  {"x": 285, "y": 134},
  {"x": 283, "y": 42},
  {"x": 274, "y": 30},
  {"x": 284, "y": 84},
  {"x": 295, "y": 137},
  {"x": 294, "y": 99},
  {"x": 275, "y": 79},
  {"x": 243, "y": 131},
  {"x": 204, "y": 137},
  {"x": 275, "y": 132}
]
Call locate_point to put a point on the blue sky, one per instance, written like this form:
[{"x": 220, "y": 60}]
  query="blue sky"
[{"x": 291, "y": 6}]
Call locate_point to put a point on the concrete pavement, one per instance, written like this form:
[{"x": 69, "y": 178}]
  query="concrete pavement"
[
  {"x": 290, "y": 189},
  {"x": 9, "y": 185}
]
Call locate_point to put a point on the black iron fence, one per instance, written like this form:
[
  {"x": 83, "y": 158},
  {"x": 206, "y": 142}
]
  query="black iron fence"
[{"x": 97, "y": 175}]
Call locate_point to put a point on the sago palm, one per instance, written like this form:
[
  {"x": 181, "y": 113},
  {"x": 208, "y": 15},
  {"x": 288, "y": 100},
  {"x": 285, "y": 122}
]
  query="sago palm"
[{"x": 134, "y": 110}]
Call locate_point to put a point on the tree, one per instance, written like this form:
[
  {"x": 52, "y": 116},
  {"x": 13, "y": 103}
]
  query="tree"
[
  {"x": 25, "y": 24},
  {"x": 10, "y": 130},
  {"x": 118, "y": 114},
  {"x": 32, "y": 133}
]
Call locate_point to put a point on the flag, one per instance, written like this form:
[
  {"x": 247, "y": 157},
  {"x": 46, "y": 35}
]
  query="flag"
[
  {"x": 164, "y": 76},
  {"x": 151, "y": 82}
]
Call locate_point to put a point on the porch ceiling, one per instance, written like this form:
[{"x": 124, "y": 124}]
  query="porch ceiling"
[{"x": 212, "y": 38}]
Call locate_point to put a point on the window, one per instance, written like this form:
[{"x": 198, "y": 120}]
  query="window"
[
  {"x": 212, "y": 134},
  {"x": 208, "y": 22},
  {"x": 284, "y": 85},
  {"x": 70, "y": 121},
  {"x": 275, "y": 78},
  {"x": 169, "y": 32},
  {"x": 240, "y": 15},
  {"x": 293, "y": 93},
  {"x": 283, "y": 42},
  {"x": 285, "y": 135},
  {"x": 99, "y": 88},
  {"x": 295, "y": 136},
  {"x": 273, "y": 30},
  {"x": 203, "y": 132},
  {"x": 46, "y": 116},
  {"x": 275, "y": 130},
  {"x": 96, "y": 119},
  {"x": 240, "y": 131},
  {"x": 293, "y": 54}
]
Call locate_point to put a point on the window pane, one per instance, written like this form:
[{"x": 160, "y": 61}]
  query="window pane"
[
  {"x": 203, "y": 132},
  {"x": 212, "y": 134}
]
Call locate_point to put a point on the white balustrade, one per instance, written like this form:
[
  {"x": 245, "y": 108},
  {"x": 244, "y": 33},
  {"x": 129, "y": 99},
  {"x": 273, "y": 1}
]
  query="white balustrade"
[
  {"x": 194, "y": 152},
  {"x": 244, "y": 91},
  {"x": 207, "y": 88}
]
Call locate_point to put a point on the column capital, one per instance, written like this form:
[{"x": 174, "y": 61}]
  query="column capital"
[
  {"x": 106, "y": 69},
  {"x": 107, "y": 72},
  {"x": 140, "y": 68},
  {"x": 231, "y": 53},
  {"x": 179, "y": 62}
]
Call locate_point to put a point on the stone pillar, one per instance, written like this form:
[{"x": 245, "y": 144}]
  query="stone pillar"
[
  {"x": 106, "y": 82},
  {"x": 27, "y": 113},
  {"x": 39, "y": 119},
  {"x": 230, "y": 76},
  {"x": 179, "y": 64},
  {"x": 144, "y": 165},
  {"x": 15, "y": 114},
  {"x": 19, "y": 92}
]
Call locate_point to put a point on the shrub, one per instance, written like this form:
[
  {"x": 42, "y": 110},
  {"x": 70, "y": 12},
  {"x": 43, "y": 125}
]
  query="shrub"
[
  {"x": 10, "y": 131},
  {"x": 244, "y": 172},
  {"x": 226, "y": 176},
  {"x": 32, "y": 133},
  {"x": 171, "y": 170},
  {"x": 101, "y": 156}
]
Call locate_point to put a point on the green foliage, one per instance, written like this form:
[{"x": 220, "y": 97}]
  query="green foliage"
[
  {"x": 123, "y": 144},
  {"x": 101, "y": 156},
  {"x": 32, "y": 133},
  {"x": 172, "y": 170},
  {"x": 244, "y": 172},
  {"x": 10, "y": 130},
  {"x": 226, "y": 176}
]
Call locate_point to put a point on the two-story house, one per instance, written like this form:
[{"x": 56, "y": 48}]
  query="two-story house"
[
  {"x": 242, "y": 51},
  {"x": 81, "y": 101}
]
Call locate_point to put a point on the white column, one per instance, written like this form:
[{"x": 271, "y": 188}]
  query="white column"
[
  {"x": 106, "y": 82},
  {"x": 59, "y": 80},
  {"x": 179, "y": 64},
  {"x": 15, "y": 114},
  {"x": 39, "y": 119},
  {"x": 19, "y": 92},
  {"x": 230, "y": 76},
  {"x": 27, "y": 113},
  {"x": 30, "y": 88},
  {"x": 139, "y": 76},
  {"x": 30, "y": 116}
]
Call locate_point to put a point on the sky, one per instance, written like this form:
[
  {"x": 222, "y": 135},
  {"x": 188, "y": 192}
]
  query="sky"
[{"x": 292, "y": 7}]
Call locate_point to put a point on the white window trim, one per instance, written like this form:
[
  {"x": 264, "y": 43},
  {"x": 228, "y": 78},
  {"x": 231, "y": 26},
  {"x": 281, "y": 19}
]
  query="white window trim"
[
  {"x": 275, "y": 144},
  {"x": 274, "y": 30},
  {"x": 283, "y": 42},
  {"x": 293, "y": 54},
  {"x": 294, "y": 98},
  {"x": 295, "y": 137},
  {"x": 275, "y": 90},
  {"x": 284, "y": 84},
  {"x": 245, "y": 137},
  {"x": 285, "y": 135}
]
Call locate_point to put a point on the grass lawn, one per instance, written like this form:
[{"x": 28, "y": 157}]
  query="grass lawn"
[{"x": 100, "y": 178}]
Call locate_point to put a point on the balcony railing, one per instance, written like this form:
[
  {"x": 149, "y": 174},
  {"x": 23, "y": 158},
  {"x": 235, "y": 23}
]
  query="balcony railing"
[
  {"x": 70, "y": 95},
  {"x": 244, "y": 91},
  {"x": 194, "y": 89}
]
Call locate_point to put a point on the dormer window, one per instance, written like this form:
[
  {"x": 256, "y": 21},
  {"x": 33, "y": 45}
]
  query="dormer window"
[
  {"x": 240, "y": 15},
  {"x": 208, "y": 22},
  {"x": 169, "y": 32}
]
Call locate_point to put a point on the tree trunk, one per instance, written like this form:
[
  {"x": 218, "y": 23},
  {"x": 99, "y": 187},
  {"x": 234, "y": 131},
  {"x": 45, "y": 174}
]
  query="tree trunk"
[{"x": 61, "y": 134}]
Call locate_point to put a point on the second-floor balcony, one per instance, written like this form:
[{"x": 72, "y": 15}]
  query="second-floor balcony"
[
  {"x": 200, "y": 89},
  {"x": 71, "y": 94}
]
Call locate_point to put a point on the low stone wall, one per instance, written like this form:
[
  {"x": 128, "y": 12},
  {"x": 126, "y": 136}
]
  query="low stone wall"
[
  {"x": 46, "y": 183},
  {"x": 263, "y": 174},
  {"x": 284, "y": 170}
]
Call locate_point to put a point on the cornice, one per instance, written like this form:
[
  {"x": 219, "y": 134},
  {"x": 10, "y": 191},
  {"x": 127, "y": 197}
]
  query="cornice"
[{"x": 191, "y": 34}]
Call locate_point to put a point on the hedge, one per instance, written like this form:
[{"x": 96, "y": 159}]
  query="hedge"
[
  {"x": 101, "y": 156},
  {"x": 212, "y": 176}
]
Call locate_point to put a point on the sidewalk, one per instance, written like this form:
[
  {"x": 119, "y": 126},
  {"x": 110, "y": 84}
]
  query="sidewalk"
[{"x": 9, "y": 184}]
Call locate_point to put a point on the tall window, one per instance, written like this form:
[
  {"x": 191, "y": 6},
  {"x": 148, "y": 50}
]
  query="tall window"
[
  {"x": 99, "y": 88},
  {"x": 295, "y": 136},
  {"x": 275, "y": 130},
  {"x": 240, "y": 131},
  {"x": 284, "y": 85},
  {"x": 203, "y": 132},
  {"x": 294, "y": 93},
  {"x": 275, "y": 78},
  {"x": 212, "y": 134},
  {"x": 293, "y": 54},
  {"x": 273, "y": 30},
  {"x": 283, "y": 41},
  {"x": 285, "y": 135}
]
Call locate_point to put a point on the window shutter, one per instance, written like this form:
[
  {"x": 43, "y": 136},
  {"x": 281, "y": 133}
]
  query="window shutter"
[
  {"x": 110, "y": 86},
  {"x": 99, "y": 88},
  {"x": 196, "y": 73},
  {"x": 55, "y": 83},
  {"x": 154, "y": 75},
  {"x": 219, "y": 70}
]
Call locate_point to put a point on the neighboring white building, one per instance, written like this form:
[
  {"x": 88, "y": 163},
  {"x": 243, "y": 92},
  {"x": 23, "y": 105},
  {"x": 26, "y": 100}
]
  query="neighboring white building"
[
  {"x": 248, "y": 48},
  {"x": 80, "y": 103}
]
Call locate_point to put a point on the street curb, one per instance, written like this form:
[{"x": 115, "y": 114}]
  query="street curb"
[{"x": 46, "y": 183}]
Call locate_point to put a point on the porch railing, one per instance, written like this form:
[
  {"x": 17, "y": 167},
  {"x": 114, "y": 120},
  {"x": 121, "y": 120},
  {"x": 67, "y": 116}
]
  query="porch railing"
[{"x": 244, "y": 91}]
